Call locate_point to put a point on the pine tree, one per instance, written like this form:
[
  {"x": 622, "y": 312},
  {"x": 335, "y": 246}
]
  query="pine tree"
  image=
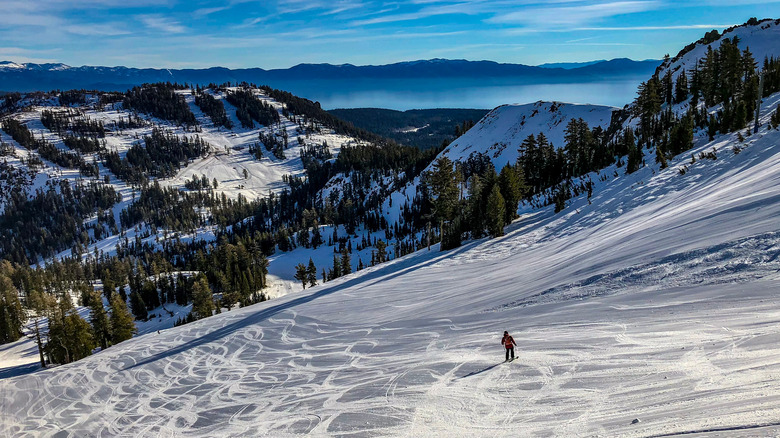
[
  {"x": 99, "y": 320},
  {"x": 381, "y": 251},
  {"x": 316, "y": 236},
  {"x": 475, "y": 208},
  {"x": 740, "y": 117},
  {"x": 108, "y": 287},
  {"x": 336, "y": 272},
  {"x": 681, "y": 136},
  {"x": 681, "y": 87},
  {"x": 202, "y": 301},
  {"x": 311, "y": 273},
  {"x": 122, "y": 324},
  {"x": 41, "y": 305},
  {"x": 138, "y": 306},
  {"x": 660, "y": 154},
  {"x": 346, "y": 262},
  {"x": 301, "y": 274},
  {"x": 634, "y": 152},
  {"x": 442, "y": 185},
  {"x": 12, "y": 315},
  {"x": 667, "y": 87},
  {"x": 774, "y": 121},
  {"x": 496, "y": 213},
  {"x": 648, "y": 103},
  {"x": 512, "y": 187},
  {"x": 70, "y": 336}
]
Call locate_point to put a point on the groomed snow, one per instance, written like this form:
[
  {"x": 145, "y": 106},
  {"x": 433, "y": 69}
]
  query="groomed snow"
[{"x": 657, "y": 301}]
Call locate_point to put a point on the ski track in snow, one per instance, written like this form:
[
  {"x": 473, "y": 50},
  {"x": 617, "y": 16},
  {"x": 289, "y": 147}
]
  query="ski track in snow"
[{"x": 275, "y": 372}]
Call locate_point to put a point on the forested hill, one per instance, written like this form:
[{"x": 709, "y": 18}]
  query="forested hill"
[
  {"x": 165, "y": 195},
  {"x": 423, "y": 128},
  {"x": 548, "y": 153}
]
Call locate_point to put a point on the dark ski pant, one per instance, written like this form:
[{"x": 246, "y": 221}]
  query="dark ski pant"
[{"x": 510, "y": 351}]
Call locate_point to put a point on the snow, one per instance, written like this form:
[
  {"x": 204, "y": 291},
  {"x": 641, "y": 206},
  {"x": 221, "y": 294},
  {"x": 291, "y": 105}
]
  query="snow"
[
  {"x": 507, "y": 126},
  {"x": 11, "y": 65},
  {"x": 657, "y": 300},
  {"x": 761, "y": 39},
  {"x": 226, "y": 163},
  {"x": 501, "y": 132},
  {"x": 411, "y": 129},
  {"x": 231, "y": 157}
]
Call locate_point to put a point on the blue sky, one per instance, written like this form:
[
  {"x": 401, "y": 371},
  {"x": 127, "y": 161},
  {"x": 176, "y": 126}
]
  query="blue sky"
[{"x": 282, "y": 33}]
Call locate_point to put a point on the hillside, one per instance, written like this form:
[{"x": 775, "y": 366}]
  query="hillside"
[
  {"x": 758, "y": 37},
  {"x": 505, "y": 128},
  {"x": 425, "y": 128},
  {"x": 497, "y": 139},
  {"x": 647, "y": 303},
  {"x": 181, "y": 183}
]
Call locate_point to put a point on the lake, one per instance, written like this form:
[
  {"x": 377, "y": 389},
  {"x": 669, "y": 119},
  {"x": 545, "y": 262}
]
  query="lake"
[{"x": 459, "y": 93}]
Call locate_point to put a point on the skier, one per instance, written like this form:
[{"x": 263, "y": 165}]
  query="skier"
[{"x": 509, "y": 344}]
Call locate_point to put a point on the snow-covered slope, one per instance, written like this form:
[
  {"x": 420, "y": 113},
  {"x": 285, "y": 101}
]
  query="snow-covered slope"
[
  {"x": 654, "y": 300},
  {"x": 499, "y": 135},
  {"x": 229, "y": 162},
  {"x": 229, "y": 156},
  {"x": 501, "y": 131},
  {"x": 760, "y": 38}
]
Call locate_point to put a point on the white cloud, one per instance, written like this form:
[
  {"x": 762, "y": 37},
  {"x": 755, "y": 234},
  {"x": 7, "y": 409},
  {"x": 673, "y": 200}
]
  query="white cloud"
[
  {"x": 681, "y": 27},
  {"x": 568, "y": 16},
  {"x": 203, "y": 12},
  {"x": 19, "y": 54},
  {"x": 161, "y": 23},
  {"x": 458, "y": 8},
  {"x": 97, "y": 29}
]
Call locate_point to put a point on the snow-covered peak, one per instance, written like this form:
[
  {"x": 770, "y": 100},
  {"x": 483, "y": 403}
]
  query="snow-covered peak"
[
  {"x": 10, "y": 65},
  {"x": 501, "y": 131},
  {"x": 761, "y": 38}
]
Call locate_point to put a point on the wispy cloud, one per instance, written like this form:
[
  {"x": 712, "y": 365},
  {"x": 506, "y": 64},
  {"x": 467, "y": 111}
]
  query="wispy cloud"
[
  {"x": 161, "y": 23},
  {"x": 203, "y": 12},
  {"x": 635, "y": 28},
  {"x": 571, "y": 16},
  {"x": 20, "y": 54},
  {"x": 458, "y": 8},
  {"x": 97, "y": 29}
]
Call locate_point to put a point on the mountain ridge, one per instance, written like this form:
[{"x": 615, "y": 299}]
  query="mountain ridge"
[{"x": 24, "y": 77}]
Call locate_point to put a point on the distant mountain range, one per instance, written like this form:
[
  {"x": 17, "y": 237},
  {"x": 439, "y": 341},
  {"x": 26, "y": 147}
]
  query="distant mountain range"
[
  {"x": 570, "y": 65},
  {"x": 35, "y": 77}
]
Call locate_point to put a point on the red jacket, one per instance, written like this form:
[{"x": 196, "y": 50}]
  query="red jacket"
[{"x": 508, "y": 341}]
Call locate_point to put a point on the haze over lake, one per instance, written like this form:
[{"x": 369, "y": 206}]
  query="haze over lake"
[
  {"x": 456, "y": 93},
  {"x": 422, "y": 84}
]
